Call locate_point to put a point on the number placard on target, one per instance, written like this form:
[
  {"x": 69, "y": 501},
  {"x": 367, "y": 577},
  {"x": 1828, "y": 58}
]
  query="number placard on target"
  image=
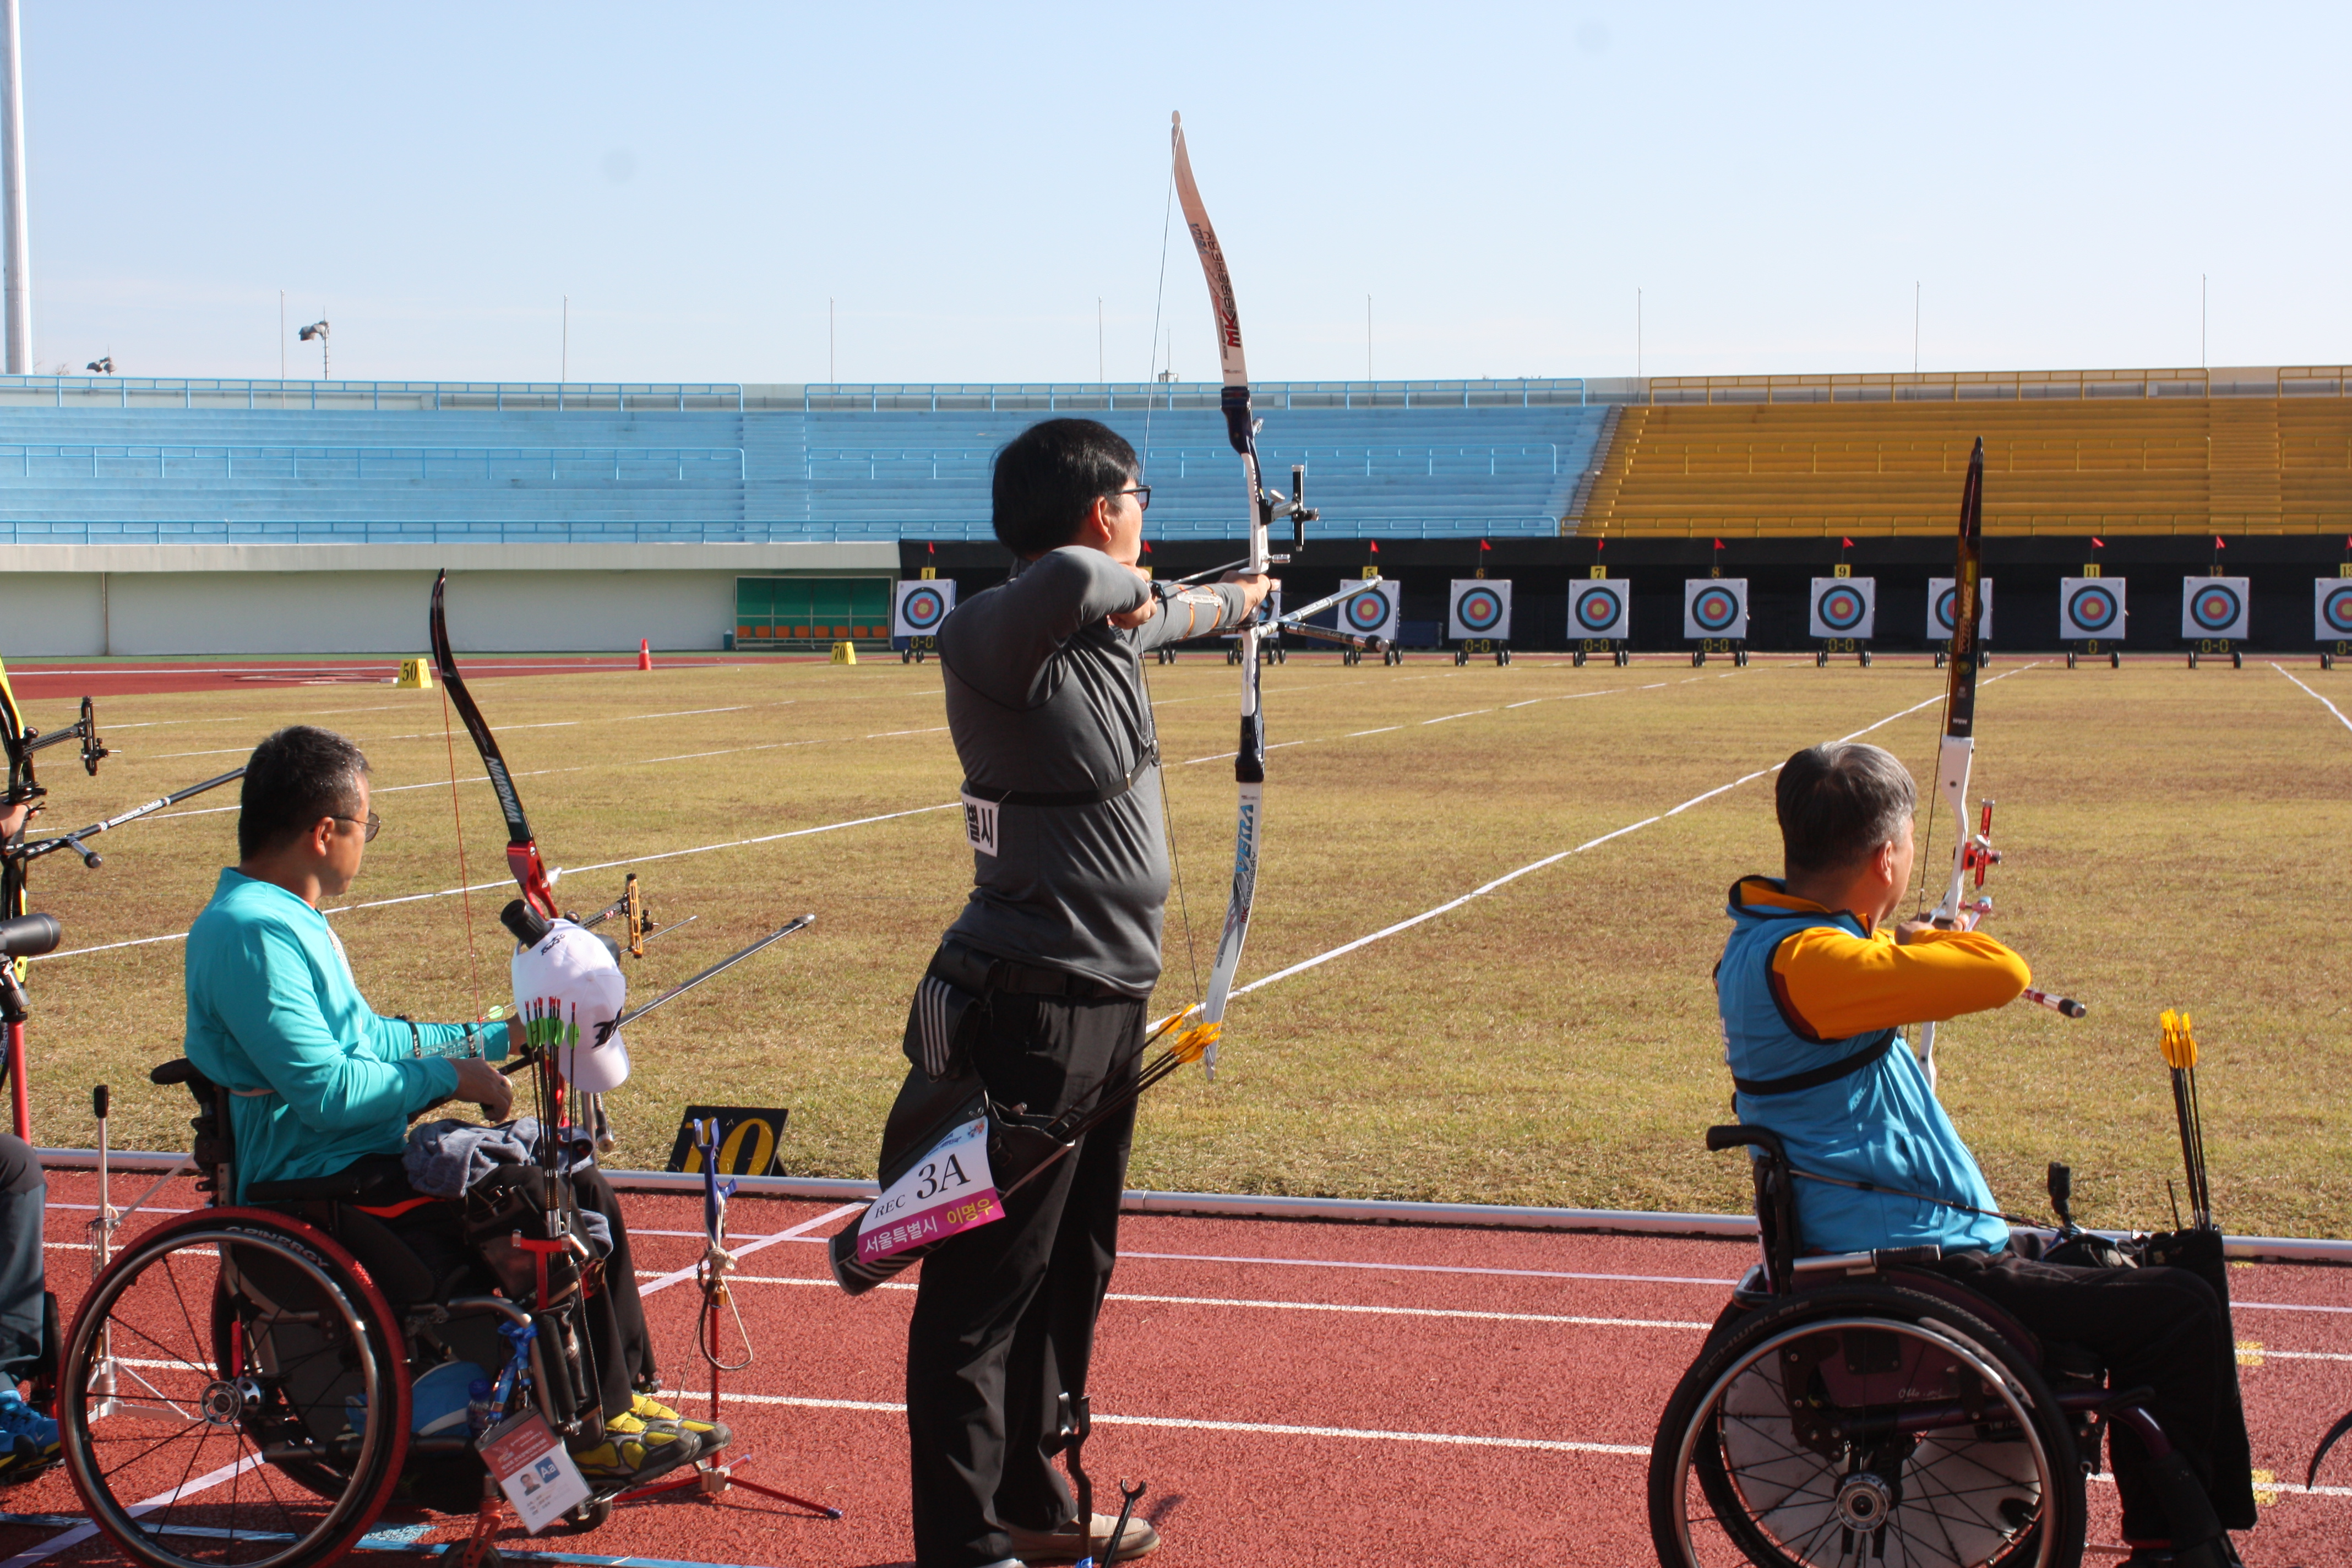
[
  {"x": 2090, "y": 608},
  {"x": 750, "y": 1140},
  {"x": 1372, "y": 614},
  {"x": 1941, "y": 592},
  {"x": 2331, "y": 608},
  {"x": 1843, "y": 608},
  {"x": 921, "y": 605},
  {"x": 2216, "y": 606},
  {"x": 1600, "y": 608},
  {"x": 1479, "y": 608},
  {"x": 1715, "y": 607}
]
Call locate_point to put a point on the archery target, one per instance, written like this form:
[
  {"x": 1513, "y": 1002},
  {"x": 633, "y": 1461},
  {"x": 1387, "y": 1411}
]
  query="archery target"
[
  {"x": 2331, "y": 608},
  {"x": 1598, "y": 609},
  {"x": 2090, "y": 608},
  {"x": 1843, "y": 608},
  {"x": 1372, "y": 615},
  {"x": 1479, "y": 609},
  {"x": 1715, "y": 607},
  {"x": 2215, "y": 606},
  {"x": 1941, "y": 593},
  {"x": 921, "y": 605}
]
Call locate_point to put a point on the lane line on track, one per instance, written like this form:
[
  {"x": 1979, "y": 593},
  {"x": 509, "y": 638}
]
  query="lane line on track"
[
  {"x": 2316, "y": 696},
  {"x": 81, "y": 1532},
  {"x": 1720, "y": 1284},
  {"x": 1265, "y": 1429},
  {"x": 678, "y": 1275},
  {"x": 1534, "y": 865}
]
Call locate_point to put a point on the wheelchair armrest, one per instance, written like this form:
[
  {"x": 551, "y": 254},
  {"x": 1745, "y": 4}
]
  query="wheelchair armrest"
[
  {"x": 180, "y": 1069},
  {"x": 369, "y": 1176},
  {"x": 1718, "y": 1139}
]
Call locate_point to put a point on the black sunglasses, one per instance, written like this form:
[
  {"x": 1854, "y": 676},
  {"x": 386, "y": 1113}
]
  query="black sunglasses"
[{"x": 1142, "y": 494}]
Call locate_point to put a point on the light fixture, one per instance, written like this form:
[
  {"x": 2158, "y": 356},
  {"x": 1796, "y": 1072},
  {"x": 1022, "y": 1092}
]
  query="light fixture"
[
  {"x": 317, "y": 329},
  {"x": 102, "y": 365}
]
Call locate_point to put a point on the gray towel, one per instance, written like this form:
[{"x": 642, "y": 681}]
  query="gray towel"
[{"x": 445, "y": 1159}]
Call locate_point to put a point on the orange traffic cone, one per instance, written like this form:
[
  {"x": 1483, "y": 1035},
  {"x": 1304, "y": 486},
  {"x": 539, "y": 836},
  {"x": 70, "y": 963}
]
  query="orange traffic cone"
[{"x": 645, "y": 655}]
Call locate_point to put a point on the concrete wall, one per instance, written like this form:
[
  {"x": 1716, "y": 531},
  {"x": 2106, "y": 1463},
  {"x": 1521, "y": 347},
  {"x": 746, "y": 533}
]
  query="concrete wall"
[{"x": 97, "y": 600}]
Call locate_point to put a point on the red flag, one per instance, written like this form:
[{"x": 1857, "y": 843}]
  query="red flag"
[
  {"x": 932, "y": 547},
  {"x": 1484, "y": 546},
  {"x": 2219, "y": 542},
  {"x": 1147, "y": 547},
  {"x": 1847, "y": 542},
  {"x": 2097, "y": 543},
  {"x": 1376, "y": 546},
  {"x": 1718, "y": 544},
  {"x": 1600, "y": 545}
]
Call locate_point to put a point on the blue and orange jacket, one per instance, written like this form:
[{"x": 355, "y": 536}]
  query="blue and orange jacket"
[{"x": 1812, "y": 1000}]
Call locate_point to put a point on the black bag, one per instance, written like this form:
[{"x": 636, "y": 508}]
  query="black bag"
[{"x": 506, "y": 1225}]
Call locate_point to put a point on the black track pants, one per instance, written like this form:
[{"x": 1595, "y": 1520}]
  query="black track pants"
[
  {"x": 1004, "y": 1314},
  {"x": 2163, "y": 1328}
]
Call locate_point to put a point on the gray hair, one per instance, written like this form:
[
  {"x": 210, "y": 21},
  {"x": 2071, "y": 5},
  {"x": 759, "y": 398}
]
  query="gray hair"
[{"x": 1838, "y": 803}]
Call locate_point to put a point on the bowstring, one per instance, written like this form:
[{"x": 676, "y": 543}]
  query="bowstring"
[
  {"x": 465, "y": 880},
  {"x": 1167, "y": 816}
]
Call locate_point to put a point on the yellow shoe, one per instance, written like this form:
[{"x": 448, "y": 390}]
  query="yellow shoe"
[
  {"x": 714, "y": 1433},
  {"x": 635, "y": 1450}
]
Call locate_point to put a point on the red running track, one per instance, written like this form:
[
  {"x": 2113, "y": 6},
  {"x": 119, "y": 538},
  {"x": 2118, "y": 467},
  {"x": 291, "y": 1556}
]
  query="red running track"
[
  {"x": 50, "y": 681},
  {"x": 1294, "y": 1392}
]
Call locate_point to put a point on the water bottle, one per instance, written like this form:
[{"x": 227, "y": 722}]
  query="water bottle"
[{"x": 480, "y": 1415}]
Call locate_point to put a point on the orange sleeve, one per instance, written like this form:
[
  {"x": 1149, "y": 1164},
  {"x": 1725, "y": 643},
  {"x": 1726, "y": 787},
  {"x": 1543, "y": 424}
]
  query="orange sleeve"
[{"x": 1835, "y": 984}]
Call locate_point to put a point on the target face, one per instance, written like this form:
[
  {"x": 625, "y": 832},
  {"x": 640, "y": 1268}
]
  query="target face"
[
  {"x": 1480, "y": 608},
  {"x": 1372, "y": 614},
  {"x": 2215, "y": 606},
  {"x": 1597, "y": 610},
  {"x": 2090, "y": 608},
  {"x": 1842, "y": 609},
  {"x": 2331, "y": 608},
  {"x": 1943, "y": 596},
  {"x": 923, "y": 603},
  {"x": 1715, "y": 607}
]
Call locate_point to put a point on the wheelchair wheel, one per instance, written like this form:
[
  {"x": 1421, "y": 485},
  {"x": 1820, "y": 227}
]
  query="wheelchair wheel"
[
  {"x": 234, "y": 1394},
  {"x": 1866, "y": 1425}
]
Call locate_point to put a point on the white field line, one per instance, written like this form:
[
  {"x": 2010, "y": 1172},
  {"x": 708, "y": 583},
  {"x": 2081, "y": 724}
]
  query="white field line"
[
  {"x": 678, "y": 1276},
  {"x": 599, "y": 866},
  {"x": 1470, "y": 713},
  {"x": 2316, "y": 696},
  {"x": 1534, "y": 865},
  {"x": 1265, "y": 1428}
]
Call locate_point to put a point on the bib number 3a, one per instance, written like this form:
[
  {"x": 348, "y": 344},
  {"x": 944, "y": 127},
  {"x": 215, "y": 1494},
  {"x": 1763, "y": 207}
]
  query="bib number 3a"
[{"x": 980, "y": 824}]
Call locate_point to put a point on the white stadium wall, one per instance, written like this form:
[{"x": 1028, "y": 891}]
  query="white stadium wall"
[{"x": 316, "y": 601}]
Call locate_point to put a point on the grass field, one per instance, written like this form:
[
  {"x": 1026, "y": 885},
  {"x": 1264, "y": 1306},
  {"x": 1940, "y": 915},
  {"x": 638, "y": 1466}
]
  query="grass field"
[{"x": 2173, "y": 838}]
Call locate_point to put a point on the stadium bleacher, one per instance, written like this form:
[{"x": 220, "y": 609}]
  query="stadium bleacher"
[
  {"x": 1424, "y": 460},
  {"x": 2089, "y": 464}
]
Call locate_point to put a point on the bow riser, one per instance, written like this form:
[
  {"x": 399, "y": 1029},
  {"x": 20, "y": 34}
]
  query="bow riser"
[{"x": 522, "y": 850}]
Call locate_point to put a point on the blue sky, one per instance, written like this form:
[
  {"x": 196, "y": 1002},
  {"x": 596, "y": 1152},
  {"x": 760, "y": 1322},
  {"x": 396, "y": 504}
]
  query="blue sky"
[{"x": 964, "y": 183}]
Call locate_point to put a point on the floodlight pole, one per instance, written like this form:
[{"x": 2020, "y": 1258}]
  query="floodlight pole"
[{"x": 15, "y": 267}]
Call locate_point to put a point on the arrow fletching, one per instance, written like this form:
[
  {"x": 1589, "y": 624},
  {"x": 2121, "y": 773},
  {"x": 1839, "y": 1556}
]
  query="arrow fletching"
[{"x": 2179, "y": 1044}]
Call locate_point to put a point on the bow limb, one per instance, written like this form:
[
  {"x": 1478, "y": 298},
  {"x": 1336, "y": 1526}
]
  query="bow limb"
[
  {"x": 1956, "y": 753},
  {"x": 522, "y": 850},
  {"x": 1249, "y": 758}
]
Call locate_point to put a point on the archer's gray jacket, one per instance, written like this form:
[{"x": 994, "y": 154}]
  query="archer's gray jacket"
[{"x": 1045, "y": 698}]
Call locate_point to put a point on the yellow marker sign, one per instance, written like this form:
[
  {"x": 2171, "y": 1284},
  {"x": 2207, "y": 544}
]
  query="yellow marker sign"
[
  {"x": 416, "y": 675},
  {"x": 844, "y": 653}
]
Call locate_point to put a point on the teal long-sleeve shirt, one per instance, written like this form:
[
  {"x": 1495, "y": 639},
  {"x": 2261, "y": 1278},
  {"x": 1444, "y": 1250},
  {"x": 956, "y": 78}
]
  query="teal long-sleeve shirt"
[{"x": 317, "y": 1079}]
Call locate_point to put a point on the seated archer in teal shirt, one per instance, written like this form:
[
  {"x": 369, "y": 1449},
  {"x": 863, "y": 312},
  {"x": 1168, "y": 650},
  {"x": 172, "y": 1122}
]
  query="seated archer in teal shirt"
[{"x": 318, "y": 1080}]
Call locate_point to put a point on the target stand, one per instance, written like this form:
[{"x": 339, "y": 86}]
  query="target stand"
[
  {"x": 1858, "y": 646},
  {"x": 2089, "y": 649},
  {"x": 918, "y": 648},
  {"x": 1482, "y": 647},
  {"x": 2232, "y": 649},
  {"x": 2328, "y": 656},
  {"x": 1736, "y": 649},
  {"x": 1595, "y": 647},
  {"x": 1984, "y": 656}
]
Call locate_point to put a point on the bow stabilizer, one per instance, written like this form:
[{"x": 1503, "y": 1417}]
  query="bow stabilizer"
[{"x": 522, "y": 850}]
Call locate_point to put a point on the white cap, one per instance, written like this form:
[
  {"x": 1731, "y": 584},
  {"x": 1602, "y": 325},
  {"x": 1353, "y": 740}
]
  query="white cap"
[{"x": 571, "y": 976}]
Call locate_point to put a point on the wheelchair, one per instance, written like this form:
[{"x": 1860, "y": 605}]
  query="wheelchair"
[
  {"x": 238, "y": 1386},
  {"x": 1859, "y": 1409}
]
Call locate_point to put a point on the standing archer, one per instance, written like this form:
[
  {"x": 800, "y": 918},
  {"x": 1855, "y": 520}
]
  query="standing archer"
[{"x": 1039, "y": 986}]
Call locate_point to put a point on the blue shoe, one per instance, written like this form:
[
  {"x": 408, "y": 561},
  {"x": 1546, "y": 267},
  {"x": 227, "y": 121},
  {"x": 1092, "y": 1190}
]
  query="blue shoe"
[{"x": 31, "y": 1437}]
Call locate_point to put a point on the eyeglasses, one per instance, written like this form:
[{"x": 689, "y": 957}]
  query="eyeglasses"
[
  {"x": 375, "y": 824},
  {"x": 1142, "y": 494}
]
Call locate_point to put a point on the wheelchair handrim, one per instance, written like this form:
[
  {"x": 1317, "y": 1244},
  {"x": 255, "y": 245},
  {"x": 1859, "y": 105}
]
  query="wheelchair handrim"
[
  {"x": 1984, "y": 1367},
  {"x": 81, "y": 1462}
]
